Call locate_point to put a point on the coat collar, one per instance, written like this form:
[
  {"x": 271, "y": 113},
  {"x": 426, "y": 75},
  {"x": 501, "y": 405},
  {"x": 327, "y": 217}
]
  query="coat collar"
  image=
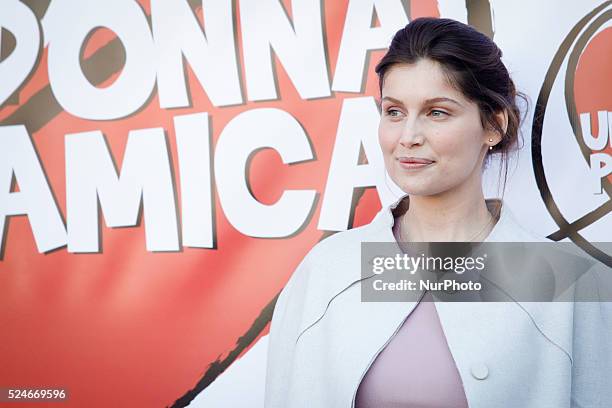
[{"x": 507, "y": 228}]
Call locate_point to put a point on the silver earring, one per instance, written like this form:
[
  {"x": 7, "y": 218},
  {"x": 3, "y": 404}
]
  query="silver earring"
[{"x": 490, "y": 147}]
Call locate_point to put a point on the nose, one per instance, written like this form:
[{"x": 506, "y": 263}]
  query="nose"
[{"x": 411, "y": 134}]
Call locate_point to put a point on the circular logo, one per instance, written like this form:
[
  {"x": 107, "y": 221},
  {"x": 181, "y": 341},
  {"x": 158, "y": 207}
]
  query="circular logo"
[{"x": 581, "y": 66}]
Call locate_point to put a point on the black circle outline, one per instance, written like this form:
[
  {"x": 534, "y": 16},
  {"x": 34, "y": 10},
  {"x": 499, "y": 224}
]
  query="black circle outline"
[{"x": 536, "y": 150}]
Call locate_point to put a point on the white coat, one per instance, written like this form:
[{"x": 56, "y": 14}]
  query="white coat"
[{"x": 323, "y": 338}]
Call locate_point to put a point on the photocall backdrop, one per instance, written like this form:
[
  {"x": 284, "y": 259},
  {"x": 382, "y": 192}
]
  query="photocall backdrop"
[{"x": 165, "y": 165}]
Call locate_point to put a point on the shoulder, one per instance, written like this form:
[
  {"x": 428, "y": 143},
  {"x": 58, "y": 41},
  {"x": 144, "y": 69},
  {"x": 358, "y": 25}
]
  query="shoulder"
[
  {"x": 334, "y": 260},
  {"x": 345, "y": 246},
  {"x": 344, "y": 243},
  {"x": 510, "y": 229},
  {"x": 330, "y": 265}
]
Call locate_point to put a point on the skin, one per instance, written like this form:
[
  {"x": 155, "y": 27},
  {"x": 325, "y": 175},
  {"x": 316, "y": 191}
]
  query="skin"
[{"x": 446, "y": 197}]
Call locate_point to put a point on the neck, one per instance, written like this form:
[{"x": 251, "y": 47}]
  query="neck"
[{"x": 447, "y": 217}]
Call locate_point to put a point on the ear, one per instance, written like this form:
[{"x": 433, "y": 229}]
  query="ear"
[{"x": 502, "y": 119}]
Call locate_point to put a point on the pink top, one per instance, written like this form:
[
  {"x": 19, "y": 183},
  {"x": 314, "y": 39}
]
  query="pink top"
[{"x": 416, "y": 368}]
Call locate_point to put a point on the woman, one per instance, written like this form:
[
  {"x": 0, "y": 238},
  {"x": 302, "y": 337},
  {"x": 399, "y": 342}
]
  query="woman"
[{"x": 447, "y": 104}]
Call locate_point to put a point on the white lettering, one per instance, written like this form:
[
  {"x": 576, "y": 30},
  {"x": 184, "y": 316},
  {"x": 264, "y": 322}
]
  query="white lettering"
[
  {"x": 212, "y": 56},
  {"x": 601, "y": 166},
  {"x": 145, "y": 177},
  {"x": 193, "y": 146},
  {"x": 248, "y": 132},
  {"x": 71, "y": 88},
  {"x": 34, "y": 198},
  {"x": 21, "y": 22},
  {"x": 358, "y": 126},
  {"x": 358, "y": 38},
  {"x": 599, "y": 142},
  {"x": 299, "y": 47}
]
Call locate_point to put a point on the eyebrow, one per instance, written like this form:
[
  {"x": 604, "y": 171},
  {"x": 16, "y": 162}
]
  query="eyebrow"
[{"x": 427, "y": 101}]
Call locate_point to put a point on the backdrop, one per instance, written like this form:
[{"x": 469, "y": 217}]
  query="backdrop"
[{"x": 165, "y": 165}]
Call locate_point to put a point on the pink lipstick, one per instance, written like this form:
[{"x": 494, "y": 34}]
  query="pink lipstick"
[{"x": 414, "y": 163}]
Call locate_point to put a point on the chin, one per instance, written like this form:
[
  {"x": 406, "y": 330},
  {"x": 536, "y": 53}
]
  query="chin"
[
  {"x": 425, "y": 188},
  {"x": 415, "y": 189},
  {"x": 419, "y": 191}
]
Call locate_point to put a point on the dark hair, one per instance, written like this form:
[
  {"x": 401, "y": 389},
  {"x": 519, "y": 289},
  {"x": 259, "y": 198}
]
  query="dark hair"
[{"x": 472, "y": 63}]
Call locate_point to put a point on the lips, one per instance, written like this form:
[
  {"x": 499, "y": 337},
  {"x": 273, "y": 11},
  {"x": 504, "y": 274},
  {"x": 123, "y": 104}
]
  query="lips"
[
  {"x": 414, "y": 163},
  {"x": 415, "y": 160}
]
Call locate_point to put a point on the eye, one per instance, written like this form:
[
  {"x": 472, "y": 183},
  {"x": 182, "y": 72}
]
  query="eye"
[
  {"x": 436, "y": 113},
  {"x": 392, "y": 112}
]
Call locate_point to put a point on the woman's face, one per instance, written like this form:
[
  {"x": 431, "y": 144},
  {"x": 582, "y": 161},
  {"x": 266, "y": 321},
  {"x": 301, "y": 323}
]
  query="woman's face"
[{"x": 430, "y": 134}]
